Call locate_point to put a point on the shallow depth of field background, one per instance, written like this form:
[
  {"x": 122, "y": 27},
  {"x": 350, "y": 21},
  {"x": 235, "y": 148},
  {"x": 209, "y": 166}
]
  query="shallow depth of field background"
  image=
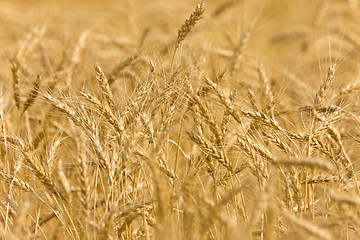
[{"x": 249, "y": 129}]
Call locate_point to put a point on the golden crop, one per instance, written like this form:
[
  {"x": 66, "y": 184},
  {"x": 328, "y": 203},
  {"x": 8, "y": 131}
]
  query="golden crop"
[{"x": 156, "y": 119}]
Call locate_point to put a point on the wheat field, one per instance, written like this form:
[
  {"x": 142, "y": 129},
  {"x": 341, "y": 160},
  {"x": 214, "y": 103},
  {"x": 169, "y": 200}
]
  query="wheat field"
[{"x": 216, "y": 119}]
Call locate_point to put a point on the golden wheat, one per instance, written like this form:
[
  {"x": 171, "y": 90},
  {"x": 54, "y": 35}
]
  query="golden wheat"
[{"x": 252, "y": 133}]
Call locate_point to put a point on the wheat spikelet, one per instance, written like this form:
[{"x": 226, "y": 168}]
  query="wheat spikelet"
[
  {"x": 83, "y": 176},
  {"x": 143, "y": 37},
  {"x": 269, "y": 96},
  {"x": 10, "y": 206},
  {"x": 161, "y": 163},
  {"x": 239, "y": 50},
  {"x": 222, "y": 8},
  {"x": 279, "y": 143},
  {"x": 33, "y": 93},
  {"x": 206, "y": 113},
  {"x": 188, "y": 25},
  {"x": 109, "y": 115},
  {"x": 104, "y": 84},
  {"x": 15, "y": 79},
  {"x": 214, "y": 128},
  {"x": 325, "y": 123},
  {"x": 264, "y": 118},
  {"x": 20, "y": 218},
  {"x": 212, "y": 150},
  {"x": 248, "y": 145},
  {"x": 131, "y": 212},
  {"x": 320, "y": 179},
  {"x": 306, "y": 162},
  {"x": 308, "y": 227},
  {"x": 350, "y": 37},
  {"x": 324, "y": 87},
  {"x": 297, "y": 33},
  {"x": 251, "y": 96},
  {"x": 76, "y": 56},
  {"x": 62, "y": 177},
  {"x": 29, "y": 43},
  {"x": 32, "y": 161},
  {"x": 214, "y": 211},
  {"x": 349, "y": 88},
  {"x": 121, "y": 66},
  {"x": 51, "y": 154},
  {"x": 64, "y": 108},
  {"x": 42, "y": 220},
  {"x": 79, "y": 48},
  {"x": 260, "y": 205},
  {"x": 344, "y": 198},
  {"x": 16, "y": 181},
  {"x": 320, "y": 12}
]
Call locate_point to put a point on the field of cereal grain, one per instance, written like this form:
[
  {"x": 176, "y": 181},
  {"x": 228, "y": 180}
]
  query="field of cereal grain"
[{"x": 155, "y": 119}]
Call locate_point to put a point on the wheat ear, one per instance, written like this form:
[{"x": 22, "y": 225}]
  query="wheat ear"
[
  {"x": 104, "y": 84},
  {"x": 15, "y": 78},
  {"x": 33, "y": 93},
  {"x": 189, "y": 24}
]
